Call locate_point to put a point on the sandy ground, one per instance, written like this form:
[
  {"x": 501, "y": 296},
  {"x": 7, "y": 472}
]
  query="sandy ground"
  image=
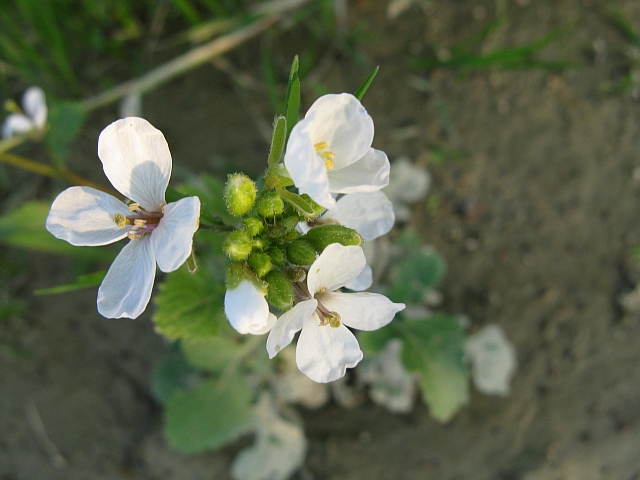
[{"x": 536, "y": 224}]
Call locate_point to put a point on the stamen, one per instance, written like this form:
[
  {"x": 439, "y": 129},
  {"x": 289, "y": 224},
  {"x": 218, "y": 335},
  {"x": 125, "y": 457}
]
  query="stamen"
[
  {"x": 321, "y": 146},
  {"x": 134, "y": 235},
  {"x": 120, "y": 220},
  {"x": 326, "y": 155},
  {"x": 139, "y": 222},
  {"x": 334, "y": 320},
  {"x": 134, "y": 207}
]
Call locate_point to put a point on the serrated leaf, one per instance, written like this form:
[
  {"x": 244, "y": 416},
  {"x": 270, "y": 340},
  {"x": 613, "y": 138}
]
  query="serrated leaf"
[
  {"x": 189, "y": 306},
  {"x": 209, "y": 416},
  {"x": 434, "y": 348},
  {"x": 212, "y": 354},
  {"x": 25, "y": 228},
  {"x": 366, "y": 84},
  {"x": 420, "y": 272},
  {"x": 292, "y": 97},
  {"x": 65, "y": 121},
  {"x": 83, "y": 281}
]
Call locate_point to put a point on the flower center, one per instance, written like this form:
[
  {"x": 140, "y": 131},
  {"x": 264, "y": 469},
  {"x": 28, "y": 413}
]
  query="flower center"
[
  {"x": 143, "y": 222},
  {"x": 326, "y": 316},
  {"x": 322, "y": 149}
]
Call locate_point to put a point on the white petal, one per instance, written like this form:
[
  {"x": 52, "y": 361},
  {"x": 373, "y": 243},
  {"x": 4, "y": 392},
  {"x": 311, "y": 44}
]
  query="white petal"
[
  {"x": 493, "y": 360},
  {"x": 35, "y": 105},
  {"x": 247, "y": 309},
  {"x": 126, "y": 289},
  {"x": 364, "y": 311},
  {"x": 370, "y": 214},
  {"x": 84, "y": 216},
  {"x": 363, "y": 281},
  {"x": 288, "y": 325},
  {"x": 343, "y": 123},
  {"x": 173, "y": 239},
  {"x": 306, "y": 168},
  {"x": 336, "y": 266},
  {"x": 136, "y": 159},
  {"x": 324, "y": 353},
  {"x": 369, "y": 174},
  {"x": 15, "y": 124},
  {"x": 408, "y": 182}
]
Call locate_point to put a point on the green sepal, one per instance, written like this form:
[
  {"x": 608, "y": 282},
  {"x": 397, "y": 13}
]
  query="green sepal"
[
  {"x": 280, "y": 291},
  {"x": 322, "y": 236},
  {"x": 302, "y": 206},
  {"x": 367, "y": 83},
  {"x": 278, "y": 140},
  {"x": 277, "y": 256},
  {"x": 277, "y": 176},
  {"x": 300, "y": 252},
  {"x": 292, "y": 97},
  {"x": 238, "y": 272}
]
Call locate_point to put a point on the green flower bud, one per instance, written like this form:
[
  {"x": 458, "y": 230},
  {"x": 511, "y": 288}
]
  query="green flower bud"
[
  {"x": 296, "y": 274},
  {"x": 238, "y": 245},
  {"x": 253, "y": 226},
  {"x": 280, "y": 291},
  {"x": 276, "y": 176},
  {"x": 260, "y": 262},
  {"x": 277, "y": 256},
  {"x": 300, "y": 252},
  {"x": 290, "y": 223},
  {"x": 239, "y": 194},
  {"x": 322, "y": 236},
  {"x": 269, "y": 204}
]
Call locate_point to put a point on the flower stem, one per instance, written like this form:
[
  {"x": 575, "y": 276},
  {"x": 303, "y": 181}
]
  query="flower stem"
[{"x": 49, "y": 171}]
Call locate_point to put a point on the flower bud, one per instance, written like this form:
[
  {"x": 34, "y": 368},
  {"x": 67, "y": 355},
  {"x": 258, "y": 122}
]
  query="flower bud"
[
  {"x": 300, "y": 252},
  {"x": 280, "y": 291},
  {"x": 239, "y": 194},
  {"x": 238, "y": 245},
  {"x": 236, "y": 273},
  {"x": 270, "y": 204},
  {"x": 253, "y": 226},
  {"x": 260, "y": 262},
  {"x": 322, "y": 236},
  {"x": 277, "y": 256}
]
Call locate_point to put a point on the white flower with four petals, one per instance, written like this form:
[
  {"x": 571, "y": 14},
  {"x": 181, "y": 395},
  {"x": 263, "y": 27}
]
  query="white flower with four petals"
[
  {"x": 326, "y": 347},
  {"x": 329, "y": 151},
  {"x": 34, "y": 117},
  {"x": 136, "y": 159}
]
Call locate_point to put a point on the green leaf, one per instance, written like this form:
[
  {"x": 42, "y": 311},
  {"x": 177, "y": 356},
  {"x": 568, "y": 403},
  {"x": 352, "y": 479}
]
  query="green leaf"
[
  {"x": 25, "y": 228},
  {"x": 65, "y": 121},
  {"x": 365, "y": 86},
  {"x": 278, "y": 140},
  {"x": 434, "y": 349},
  {"x": 417, "y": 274},
  {"x": 189, "y": 306},
  {"x": 212, "y": 354},
  {"x": 83, "y": 281},
  {"x": 208, "y": 416},
  {"x": 170, "y": 375},
  {"x": 292, "y": 98}
]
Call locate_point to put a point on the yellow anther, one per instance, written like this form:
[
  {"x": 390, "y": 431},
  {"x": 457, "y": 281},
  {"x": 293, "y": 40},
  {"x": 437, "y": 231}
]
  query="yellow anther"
[
  {"x": 139, "y": 222},
  {"x": 134, "y": 236},
  {"x": 321, "y": 146},
  {"x": 133, "y": 207},
  {"x": 120, "y": 220}
]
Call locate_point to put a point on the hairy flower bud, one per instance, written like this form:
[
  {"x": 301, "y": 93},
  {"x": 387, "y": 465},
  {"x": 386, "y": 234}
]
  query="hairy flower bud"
[
  {"x": 239, "y": 194},
  {"x": 280, "y": 291},
  {"x": 253, "y": 226},
  {"x": 260, "y": 262},
  {"x": 300, "y": 252},
  {"x": 269, "y": 204},
  {"x": 277, "y": 256},
  {"x": 238, "y": 245}
]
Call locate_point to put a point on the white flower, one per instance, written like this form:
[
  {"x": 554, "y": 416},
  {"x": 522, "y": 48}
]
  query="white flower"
[
  {"x": 136, "y": 159},
  {"x": 34, "y": 116},
  {"x": 248, "y": 310},
  {"x": 408, "y": 183},
  {"x": 329, "y": 151},
  {"x": 279, "y": 450},
  {"x": 391, "y": 385},
  {"x": 326, "y": 347},
  {"x": 493, "y": 360}
]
